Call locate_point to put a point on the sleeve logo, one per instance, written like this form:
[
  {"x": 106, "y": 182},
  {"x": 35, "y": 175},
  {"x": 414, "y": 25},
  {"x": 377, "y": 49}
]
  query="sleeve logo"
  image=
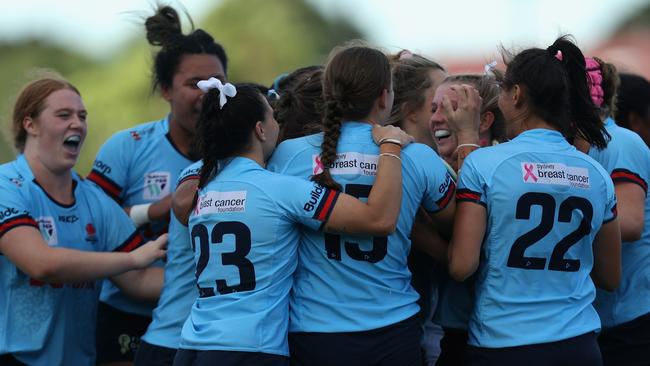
[
  {"x": 221, "y": 202},
  {"x": 48, "y": 230},
  {"x": 314, "y": 196},
  {"x": 7, "y": 212},
  {"x": 555, "y": 173},
  {"x": 156, "y": 185},
  {"x": 102, "y": 167}
]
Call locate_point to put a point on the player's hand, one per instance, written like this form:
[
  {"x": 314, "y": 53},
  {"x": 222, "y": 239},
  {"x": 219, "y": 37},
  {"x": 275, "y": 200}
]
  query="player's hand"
[
  {"x": 391, "y": 132},
  {"x": 464, "y": 120},
  {"x": 149, "y": 252}
]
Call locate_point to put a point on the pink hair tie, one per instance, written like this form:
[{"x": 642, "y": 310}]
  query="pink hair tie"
[
  {"x": 558, "y": 55},
  {"x": 595, "y": 79}
]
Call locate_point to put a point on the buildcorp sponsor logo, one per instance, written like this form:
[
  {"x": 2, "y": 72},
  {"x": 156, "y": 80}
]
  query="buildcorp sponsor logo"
[
  {"x": 221, "y": 202},
  {"x": 555, "y": 173}
]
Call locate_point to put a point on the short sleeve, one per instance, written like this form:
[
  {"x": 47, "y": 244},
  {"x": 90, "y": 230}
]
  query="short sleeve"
[
  {"x": 610, "y": 203},
  {"x": 278, "y": 161},
  {"x": 14, "y": 209},
  {"x": 119, "y": 233},
  {"x": 307, "y": 203},
  {"x": 111, "y": 165},
  {"x": 471, "y": 184},
  {"x": 190, "y": 173},
  {"x": 440, "y": 185}
]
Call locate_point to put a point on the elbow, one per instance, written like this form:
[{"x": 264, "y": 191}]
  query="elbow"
[
  {"x": 630, "y": 233},
  {"x": 44, "y": 272},
  {"x": 458, "y": 272},
  {"x": 609, "y": 283},
  {"x": 385, "y": 228}
]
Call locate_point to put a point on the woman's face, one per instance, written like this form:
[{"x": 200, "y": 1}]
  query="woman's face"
[
  {"x": 445, "y": 140},
  {"x": 271, "y": 130},
  {"x": 58, "y": 132},
  {"x": 422, "y": 116}
]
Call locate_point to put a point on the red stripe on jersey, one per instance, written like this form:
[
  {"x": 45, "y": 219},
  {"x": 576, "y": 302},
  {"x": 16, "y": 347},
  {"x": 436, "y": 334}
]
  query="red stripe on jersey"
[
  {"x": 442, "y": 203},
  {"x": 189, "y": 177},
  {"x": 21, "y": 220},
  {"x": 467, "y": 195},
  {"x": 134, "y": 241},
  {"x": 324, "y": 213},
  {"x": 624, "y": 175},
  {"x": 106, "y": 184}
]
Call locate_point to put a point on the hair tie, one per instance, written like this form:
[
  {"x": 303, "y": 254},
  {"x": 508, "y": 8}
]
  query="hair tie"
[
  {"x": 225, "y": 90},
  {"x": 595, "y": 79},
  {"x": 558, "y": 55},
  {"x": 489, "y": 66},
  {"x": 405, "y": 55},
  {"x": 271, "y": 93}
]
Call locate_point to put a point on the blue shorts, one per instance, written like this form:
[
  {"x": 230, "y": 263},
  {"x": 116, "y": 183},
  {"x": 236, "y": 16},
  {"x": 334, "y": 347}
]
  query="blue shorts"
[
  {"x": 152, "y": 355},
  {"x": 452, "y": 347},
  {"x": 186, "y": 357},
  {"x": 397, "y": 344},
  {"x": 577, "y": 351},
  {"x": 627, "y": 343}
]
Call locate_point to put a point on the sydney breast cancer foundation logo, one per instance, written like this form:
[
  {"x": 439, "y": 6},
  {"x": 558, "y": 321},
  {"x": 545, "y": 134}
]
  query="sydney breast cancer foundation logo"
[
  {"x": 555, "y": 173},
  {"x": 348, "y": 163}
]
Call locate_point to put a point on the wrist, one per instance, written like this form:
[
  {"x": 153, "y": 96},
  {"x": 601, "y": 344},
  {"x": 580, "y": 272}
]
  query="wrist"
[
  {"x": 467, "y": 137},
  {"x": 390, "y": 140},
  {"x": 390, "y": 148},
  {"x": 139, "y": 214}
]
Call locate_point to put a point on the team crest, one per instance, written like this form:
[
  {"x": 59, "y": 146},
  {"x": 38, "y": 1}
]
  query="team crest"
[
  {"x": 156, "y": 185},
  {"x": 48, "y": 230},
  {"x": 91, "y": 233}
]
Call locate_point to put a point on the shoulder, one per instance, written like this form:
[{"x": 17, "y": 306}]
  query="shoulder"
[
  {"x": 291, "y": 149},
  {"x": 141, "y": 133},
  {"x": 191, "y": 172},
  {"x": 11, "y": 178}
]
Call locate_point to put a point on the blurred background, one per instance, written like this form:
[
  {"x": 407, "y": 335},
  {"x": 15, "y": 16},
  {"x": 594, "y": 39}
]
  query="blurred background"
[{"x": 101, "y": 48}]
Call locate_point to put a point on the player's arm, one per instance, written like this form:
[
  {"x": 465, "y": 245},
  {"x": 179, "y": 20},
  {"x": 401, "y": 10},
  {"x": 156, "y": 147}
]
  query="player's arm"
[
  {"x": 379, "y": 215},
  {"x": 426, "y": 238},
  {"x": 147, "y": 212},
  {"x": 606, "y": 272},
  {"x": 631, "y": 206},
  {"x": 465, "y": 246},
  {"x": 143, "y": 284},
  {"x": 24, "y": 246},
  {"x": 183, "y": 199}
]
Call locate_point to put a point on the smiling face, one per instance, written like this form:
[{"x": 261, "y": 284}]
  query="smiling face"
[
  {"x": 56, "y": 134},
  {"x": 443, "y": 137},
  {"x": 183, "y": 95}
]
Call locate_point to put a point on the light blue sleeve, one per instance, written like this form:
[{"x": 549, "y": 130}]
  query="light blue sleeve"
[
  {"x": 306, "y": 203},
  {"x": 14, "y": 209},
  {"x": 439, "y": 184},
  {"x": 112, "y": 164},
  {"x": 610, "y": 202},
  {"x": 471, "y": 183}
]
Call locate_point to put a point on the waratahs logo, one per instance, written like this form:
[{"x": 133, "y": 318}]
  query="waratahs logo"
[
  {"x": 48, "y": 230},
  {"x": 156, "y": 185}
]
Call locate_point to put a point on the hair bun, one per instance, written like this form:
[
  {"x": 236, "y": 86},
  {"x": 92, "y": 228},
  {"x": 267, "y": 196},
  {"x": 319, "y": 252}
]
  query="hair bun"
[{"x": 164, "y": 27}]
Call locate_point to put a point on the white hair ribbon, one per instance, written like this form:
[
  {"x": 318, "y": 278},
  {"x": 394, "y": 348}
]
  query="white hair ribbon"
[
  {"x": 488, "y": 67},
  {"x": 225, "y": 90}
]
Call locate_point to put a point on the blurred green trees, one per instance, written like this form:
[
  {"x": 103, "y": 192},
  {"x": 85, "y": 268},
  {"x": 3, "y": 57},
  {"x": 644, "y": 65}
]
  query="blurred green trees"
[{"x": 262, "y": 39}]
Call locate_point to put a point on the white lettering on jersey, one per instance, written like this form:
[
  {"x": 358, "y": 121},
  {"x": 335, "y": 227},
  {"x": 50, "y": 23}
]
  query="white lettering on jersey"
[
  {"x": 48, "y": 230},
  {"x": 348, "y": 163},
  {"x": 156, "y": 185},
  {"x": 221, "y": 202},
  {"x": 555, "y": 173}
]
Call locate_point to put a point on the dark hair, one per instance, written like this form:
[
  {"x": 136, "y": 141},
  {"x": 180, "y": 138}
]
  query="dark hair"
[
  {"x": 224, "y": 132},
  {"x": 286, "y": 82},
  {"x": 164, "y": 29},
  {"x": 410, "y": 80},
  {"x": 355, "y": 77},
  {"x": 31, "y": 102},
  {"x": 488, "y": 89},
  {"x": 610, "y": 84},
  {"x": 299, "y": 111},
  {"x": 555, "y": 83},
  {"x": 633, "y": 96}
]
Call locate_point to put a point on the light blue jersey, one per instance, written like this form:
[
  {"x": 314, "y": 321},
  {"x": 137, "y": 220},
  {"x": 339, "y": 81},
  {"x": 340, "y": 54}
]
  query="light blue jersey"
[
  {"x": 245, "y": 235},
  {"x": 135, "y": 166},
  {"x": 627, "y": 160},
  {"x": 50, "y": 323},
  {"x": 179, "y": 289},
  {"x": 545, "y": 204},
  {"x": 355, "y": 283}
]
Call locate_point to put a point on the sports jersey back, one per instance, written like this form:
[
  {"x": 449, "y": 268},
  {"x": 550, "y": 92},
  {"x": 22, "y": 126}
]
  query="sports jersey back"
[
  {"x": 627, "y": 160},
  {"x": 50, "y": 323},
  {"x": 245, "y": 235},
  {"x": 135, "y": 166},
  {"x": 347, "y": 283},
  {"x": 545, "y": 204},
  {"x": 179, "y": 288}
]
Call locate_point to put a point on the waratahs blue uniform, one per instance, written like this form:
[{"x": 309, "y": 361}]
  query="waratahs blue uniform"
[
  {"x": 545, "y": 203},
  {"x": 52, "y": 323},
  {"x": 136, "y": 166},
  {"x": 179, "y": 289},
  {"x": 627, "y": 160},
  {"x": 348, "y": 283},
  {"x": 245, "y": 233}
]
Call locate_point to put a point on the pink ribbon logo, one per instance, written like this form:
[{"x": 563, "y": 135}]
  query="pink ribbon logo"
[
  {"x": 319, "y": 168},
  {"x": 529, "y": 173}
]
